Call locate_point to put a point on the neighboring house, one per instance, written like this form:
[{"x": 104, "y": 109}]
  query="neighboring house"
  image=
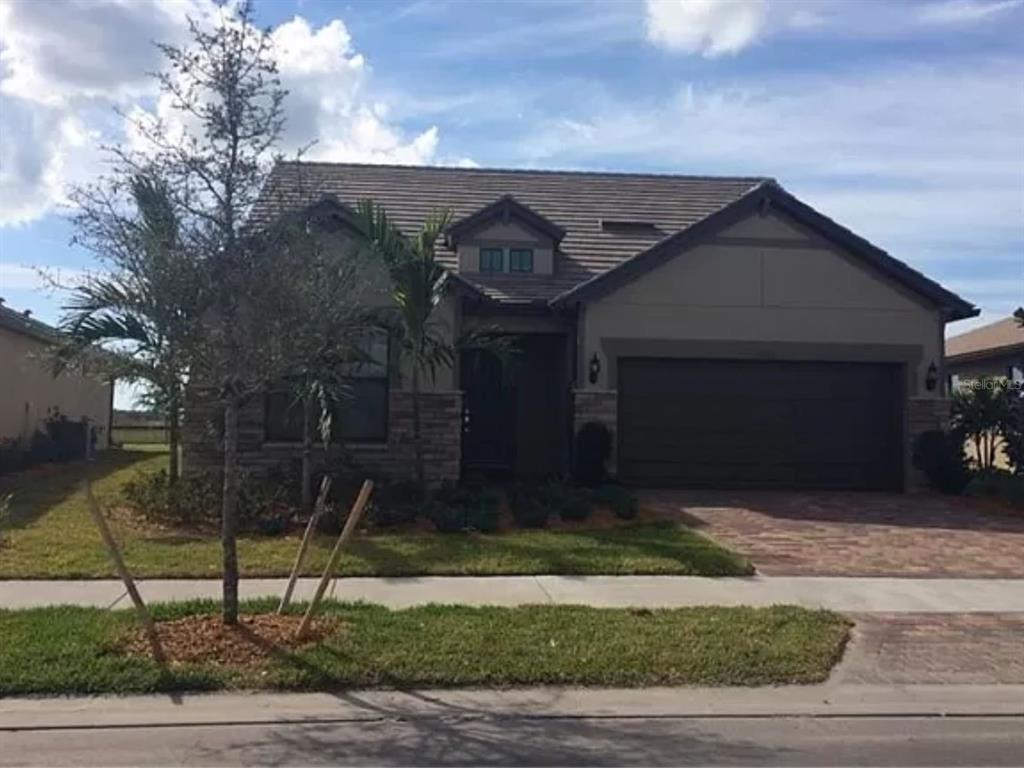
[
  {"x": 29, "y": 392},
  {"x": 995, "y": 350},
  {"x": 725, "y": 332}
]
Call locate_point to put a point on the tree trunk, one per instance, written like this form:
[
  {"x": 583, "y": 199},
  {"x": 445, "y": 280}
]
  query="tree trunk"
[
  {"x": 229, "y": 511},
  {"x": 174, "y": 438},
  {"x": 417, "y": 439},
  {"x": 307, "y": 457}
]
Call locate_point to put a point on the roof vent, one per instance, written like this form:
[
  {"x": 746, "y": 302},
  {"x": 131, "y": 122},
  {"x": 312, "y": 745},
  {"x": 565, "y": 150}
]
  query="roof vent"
[
  {"x": 631, "y": 228},
  {"x": 26, "y": 313}
]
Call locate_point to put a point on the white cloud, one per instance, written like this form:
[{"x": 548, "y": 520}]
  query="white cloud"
[
  {"x": 326, "y": 80},
  {"x": 965, "y": 11},
  {"x": 709, "y": 27},
  {"x": 59, "y": 52},
  {"x": 924, "y": 161},
  {"x": 63, "y": 66}
]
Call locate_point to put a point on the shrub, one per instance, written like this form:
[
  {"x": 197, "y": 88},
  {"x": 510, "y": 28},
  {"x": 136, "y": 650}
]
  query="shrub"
[
  {"x": 593, "y": 447},
  {"x": 529, "y": 508},
  {"x": 940, "y": 456},
  {"x": 394, "y": 504},
  {"x": 194, "y": 499},
  {"x": 570, "y": 503},
  {"x": 454, "y": 508},
  {"x": 1013, "y": 432},
  {"x": 13, "y": 456},
  {"x": 981, "y": 410},
  {"x": 263, "y": 505},
  {"x": 484, "y": 518},
  {"x": 619, "y": 499},
  {"x": 446, "y": 518},
  {"x": 998, "y": 484}
]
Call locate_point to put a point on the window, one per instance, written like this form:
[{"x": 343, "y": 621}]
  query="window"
[
  {"x": 363, "y": 417},
  {"x": 520, "y": 260},
  {"x": 491, "y": 260}
]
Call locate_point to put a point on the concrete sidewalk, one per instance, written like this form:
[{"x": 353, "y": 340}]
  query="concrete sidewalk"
[
  {"x": 860, "y": 595},
  {"x": 826, "y": 700}
]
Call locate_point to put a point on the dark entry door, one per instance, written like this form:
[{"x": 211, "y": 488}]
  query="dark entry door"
[
  {"x": 514, "y": 407},
  {"x": 488, "y": 412},
  {"x": 729, "y": 423}
]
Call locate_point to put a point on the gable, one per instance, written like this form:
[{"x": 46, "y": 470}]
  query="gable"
[
  {"x": 770, "y": 219},
  {"x": 766, "y": 262}
]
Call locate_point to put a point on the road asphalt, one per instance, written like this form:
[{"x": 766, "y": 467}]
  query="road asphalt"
[
  {"x": 855, "y": 595},
  {"x": 807, "y": 725}
]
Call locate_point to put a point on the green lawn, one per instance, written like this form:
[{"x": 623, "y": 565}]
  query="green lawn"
[
  {"x": 76, "y": 650},
  {"x": 52, "y": 536}
]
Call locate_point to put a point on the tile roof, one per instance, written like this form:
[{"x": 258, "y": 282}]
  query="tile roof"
[
  {"x": 993, "y": 339},
  {"x": 21, "y": 323},
  {"x": 577, "y": 201}
]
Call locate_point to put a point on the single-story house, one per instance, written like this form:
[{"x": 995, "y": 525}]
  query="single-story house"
[
  {"x": 29, "y": 392},
  {"x": 995, "y": 350},
  {"x": 726, "y": 333}
]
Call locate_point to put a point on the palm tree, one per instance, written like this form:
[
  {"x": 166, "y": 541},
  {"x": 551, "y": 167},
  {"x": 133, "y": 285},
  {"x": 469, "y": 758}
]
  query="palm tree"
[
  {"x": 418, "y": 287},
  {"x": 144, "y": 312}
]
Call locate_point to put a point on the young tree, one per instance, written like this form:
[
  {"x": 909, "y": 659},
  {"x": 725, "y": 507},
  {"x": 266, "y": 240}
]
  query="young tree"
[
  {"x": 225, "y": 93},
  {"x": 329, "y": 327},
  {"x": 981, "y": 412},
  {"x": 418, "y": 287},
  {"x": 144, "y": 308}
]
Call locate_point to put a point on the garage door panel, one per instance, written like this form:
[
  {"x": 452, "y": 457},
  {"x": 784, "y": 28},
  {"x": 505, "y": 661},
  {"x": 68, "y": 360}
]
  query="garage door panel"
[{"x": 722, "y": 423}]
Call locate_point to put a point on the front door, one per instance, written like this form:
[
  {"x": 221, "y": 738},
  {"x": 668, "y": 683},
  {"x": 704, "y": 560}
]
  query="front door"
[
  {"x": 514, "y": 407},
  {"x": 488, "y": 413}
]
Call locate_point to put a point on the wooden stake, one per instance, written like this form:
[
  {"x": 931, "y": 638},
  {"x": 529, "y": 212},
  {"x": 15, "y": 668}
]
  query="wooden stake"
[
  {"x": 354, "y": 516},
  {"x": 307, "y": 538},
  {"x": 122, "y": 570}
]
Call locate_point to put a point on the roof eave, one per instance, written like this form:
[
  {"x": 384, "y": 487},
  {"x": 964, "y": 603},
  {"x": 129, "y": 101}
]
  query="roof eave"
[{"x": 766, "y": 194}]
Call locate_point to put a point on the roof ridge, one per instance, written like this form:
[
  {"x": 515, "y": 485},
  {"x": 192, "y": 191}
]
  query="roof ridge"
[{"x": 533, "y": 171}]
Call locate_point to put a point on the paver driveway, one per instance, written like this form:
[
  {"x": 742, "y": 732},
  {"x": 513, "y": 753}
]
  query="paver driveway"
[{"x": 852, "y": 534}]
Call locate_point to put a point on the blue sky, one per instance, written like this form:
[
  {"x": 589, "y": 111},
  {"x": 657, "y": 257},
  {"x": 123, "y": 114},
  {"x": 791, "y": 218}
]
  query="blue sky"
[{"x": 903, "y": 121}]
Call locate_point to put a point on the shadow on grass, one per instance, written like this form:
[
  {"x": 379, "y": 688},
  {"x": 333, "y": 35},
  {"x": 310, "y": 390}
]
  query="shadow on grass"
[{"x": 36, "y": 491}]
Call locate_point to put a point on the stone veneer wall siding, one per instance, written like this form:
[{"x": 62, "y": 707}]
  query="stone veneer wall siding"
[
  {"x": 602, "y": 406},
  {"x": 923, "y": 414},
  {"x": 440, "y": 423}
]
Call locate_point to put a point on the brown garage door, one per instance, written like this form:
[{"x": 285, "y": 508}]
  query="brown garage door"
[{"x": 729, "y": 423}]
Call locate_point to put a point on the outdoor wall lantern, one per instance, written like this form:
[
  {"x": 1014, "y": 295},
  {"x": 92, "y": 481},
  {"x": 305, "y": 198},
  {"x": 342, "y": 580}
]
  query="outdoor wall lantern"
[
  {"x": 595, "y": 368},
  {"x": 931, "y": 379}
]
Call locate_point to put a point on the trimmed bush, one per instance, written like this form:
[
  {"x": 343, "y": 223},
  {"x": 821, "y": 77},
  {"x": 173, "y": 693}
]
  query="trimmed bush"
[
  {"x": 394, "y": 504},
  {"x": 530, "y": 512},
  {"x": 263, "y": 505},
  {"x": 593, "y": 448},
  {"x": 619, "y": 499},
  {"x": 573, "y": 504},
  {"x": 998, "y": 484},
  {"x": 454, "y": 508},
  {"x": 940, "y": 456}
]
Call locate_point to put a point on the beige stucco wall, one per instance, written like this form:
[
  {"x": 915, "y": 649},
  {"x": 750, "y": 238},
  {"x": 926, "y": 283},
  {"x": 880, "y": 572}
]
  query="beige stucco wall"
[
  {"x": 764, "y": 288},
  {"x": 506, "y": 235},
  {"x": 28, "y": 389}
]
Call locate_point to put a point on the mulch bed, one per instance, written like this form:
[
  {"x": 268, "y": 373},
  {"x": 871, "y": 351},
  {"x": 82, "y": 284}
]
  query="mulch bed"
[{"x": 206, "y": 639}]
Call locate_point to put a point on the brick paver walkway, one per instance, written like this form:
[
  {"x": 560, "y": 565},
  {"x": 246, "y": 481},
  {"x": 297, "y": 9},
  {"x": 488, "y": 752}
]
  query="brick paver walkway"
[
  {"x": 853, "y": 534},
  {"x": 905, "y": 649}
]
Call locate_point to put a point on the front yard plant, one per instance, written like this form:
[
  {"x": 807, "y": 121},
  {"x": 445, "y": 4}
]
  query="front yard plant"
[
  {"x": 88, "y": 651},
  {"x": 50, "y": 535}
]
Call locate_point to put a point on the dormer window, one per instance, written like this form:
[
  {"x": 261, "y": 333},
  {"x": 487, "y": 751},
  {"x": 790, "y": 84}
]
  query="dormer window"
[
  {"x": 492, "y": 260},
  {"x": 520, "y": 260}
]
